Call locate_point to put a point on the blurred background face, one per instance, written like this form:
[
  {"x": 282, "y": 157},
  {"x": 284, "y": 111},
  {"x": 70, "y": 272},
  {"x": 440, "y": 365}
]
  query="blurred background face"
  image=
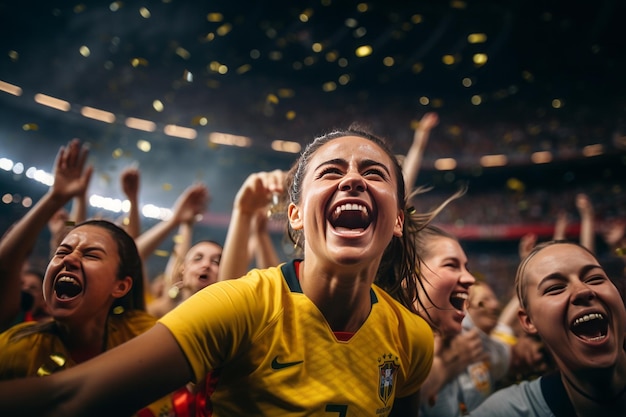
[
  {"x": 32, "y": 283},
  {"x": 201, "y": 266},
  {"x": 447, "y": 282},
  {"x": 483, "y": 307}
]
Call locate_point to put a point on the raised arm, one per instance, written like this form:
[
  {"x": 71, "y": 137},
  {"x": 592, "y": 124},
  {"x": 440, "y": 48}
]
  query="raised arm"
[
  {"x": 62, "y": 220},
  {"x": 614, "y": 235},
  {"x": 451, "y": 358},
  {"x": 526, "y": 245},
  {"x": 192, "y": 202},
  {"x": 560, "y": 226},
  {"x": 130, "y": 180},
  {"x": 70, "y": 179},
  {"x": 413, "y": 160},
  {"x": 587, "y": 229},
  {"x": 78, "y": 212},
  {"x": 260, "y": 243},
  {"x": 182, "y": 244},
  {"x": 116, "y": 383},
  {"x": 508, "y": 316},
  {"x": 171, "y": 275},
  {"x": 255, "y": 194},
  {"x": 58, "y": 225}
]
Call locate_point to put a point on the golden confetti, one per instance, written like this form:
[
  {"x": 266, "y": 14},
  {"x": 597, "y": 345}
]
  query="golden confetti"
[
  {"x": 224, "y": 29},
  {"x": 329, "y": 86},
  {"x": 183, "y": 53},
  {"x": 55, "y": 362},
  {"x": 215, "y": 17},
  {"x": 30, "y": 126},
  {"x": 363, "y": 51},
  {"x": 199, "y": 121},
  {"x": 480, "y": 59},
  {"x": 136, "y": 62}
]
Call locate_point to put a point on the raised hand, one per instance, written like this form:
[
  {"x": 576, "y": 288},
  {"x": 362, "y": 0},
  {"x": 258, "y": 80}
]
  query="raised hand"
[
  {"x": 191, "y": 203},
  {"x": 130, "y": 179},
  {"x": 71, "y": 175},
  {"x": 257, "y": 191},
  {"x": 429, "y": 121},
  {"x": 526, "y": 244}
]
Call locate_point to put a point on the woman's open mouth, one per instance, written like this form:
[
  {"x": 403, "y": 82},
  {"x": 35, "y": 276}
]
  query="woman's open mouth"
[
  {"x": 590, "y": 327},
  {"x": 350, "y": 217},
  {"x": 67, "y": 288},
  {"x": 458, "y": 299}
]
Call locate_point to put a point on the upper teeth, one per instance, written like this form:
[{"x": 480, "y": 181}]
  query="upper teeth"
[
  {"x": 462, "y": 295},
  {"x": 587, "y": 317},
  {"x": 352, "y": 207},
  {"x": 67, "y": 279}
]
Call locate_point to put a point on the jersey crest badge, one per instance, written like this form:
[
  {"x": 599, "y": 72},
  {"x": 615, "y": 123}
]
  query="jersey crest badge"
[{"x": 387, "y": 370}]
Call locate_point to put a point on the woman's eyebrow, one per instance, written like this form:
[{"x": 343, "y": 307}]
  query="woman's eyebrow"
[
  {"x": 550, "y": 277},
  {"x": 93, "y": 248},
  {"x": 336, "y": 161},
  {"x": 362, "y": 164},
  {"x": 371, "y": 162},
  {"x": 558, "y": 275}
]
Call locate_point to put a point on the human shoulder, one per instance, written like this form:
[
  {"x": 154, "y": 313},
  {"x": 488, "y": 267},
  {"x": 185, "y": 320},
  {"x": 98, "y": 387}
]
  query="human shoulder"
[
  {"x": 25, "y": 346},
  {"x": 159, "y": 306},
  {"x": 395, "y": 308},
  {"x": 390, "y": 313},
  {"x": 267, "y": 284},
  {"x": 20, "y": 332},
  {"x": 256, "y": 295},
  {"x": 122, "y": 327},
  {"x": 269, "y": 278},
  {"x": 525, "y": 399}
]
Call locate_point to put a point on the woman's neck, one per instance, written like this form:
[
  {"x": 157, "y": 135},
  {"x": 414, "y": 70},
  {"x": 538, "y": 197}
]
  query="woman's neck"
[
  {"x": 84, "y": 341},
  {"x": 344, "y": 301},
  {"x": 598, "y": 390}
]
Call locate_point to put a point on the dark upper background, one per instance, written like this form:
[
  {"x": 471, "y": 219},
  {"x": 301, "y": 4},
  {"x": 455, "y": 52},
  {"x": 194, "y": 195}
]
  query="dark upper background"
[{"x": 538, "y": 51}]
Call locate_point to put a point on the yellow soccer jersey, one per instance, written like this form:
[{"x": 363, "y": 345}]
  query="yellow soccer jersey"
[
  {"x": 43, "y": 353},
  {"x": 276, "y": 355}
]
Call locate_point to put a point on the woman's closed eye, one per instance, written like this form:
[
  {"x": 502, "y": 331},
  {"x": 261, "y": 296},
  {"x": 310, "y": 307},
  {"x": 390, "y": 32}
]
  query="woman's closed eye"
[
  {"x": 63, "y": 250},
  {"x": 451, "y": 264},
  {"x": 329, "y": 171},
  {"x": 596, "y": 279},
  {"x": 375, "y": 172},
  {"x": 554, "y": 289}
]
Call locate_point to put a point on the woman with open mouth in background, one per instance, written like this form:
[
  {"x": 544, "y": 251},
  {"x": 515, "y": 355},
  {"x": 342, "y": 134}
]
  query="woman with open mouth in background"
[{"x": 568, "y": 300}]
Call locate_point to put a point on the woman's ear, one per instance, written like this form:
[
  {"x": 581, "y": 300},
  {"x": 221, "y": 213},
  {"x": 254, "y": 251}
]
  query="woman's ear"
[
  {"x": 295, "y": 217},
  {"x": 399, "y": 226},
  {"x": 526, "y": 322},
  {"x": 122, "y": 286}
]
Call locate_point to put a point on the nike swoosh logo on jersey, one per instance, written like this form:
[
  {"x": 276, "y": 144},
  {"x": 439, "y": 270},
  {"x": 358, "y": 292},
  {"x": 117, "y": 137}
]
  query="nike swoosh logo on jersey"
[{"x": 283, "y": 365}]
